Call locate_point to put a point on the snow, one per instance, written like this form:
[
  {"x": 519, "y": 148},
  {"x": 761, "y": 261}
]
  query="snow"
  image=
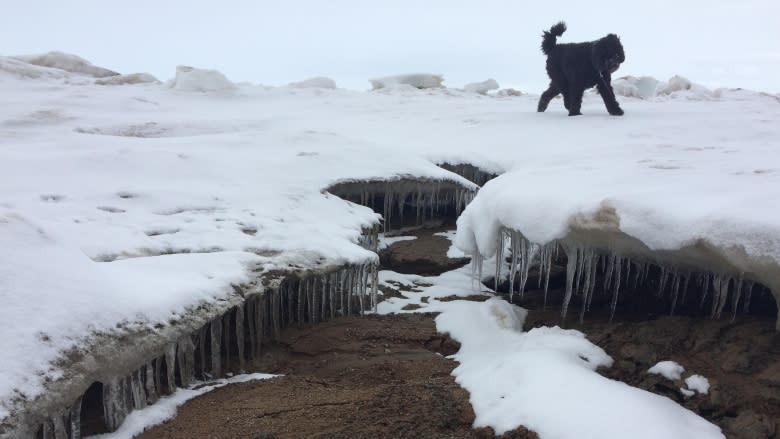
[
  {"x": 481, "y": 87},
  {"x": 452, "y": 252},
  {"x": 668, "y": 369},
  {"x": 316, "y": 82},
  {"x": 67, "y": 62},
  {"x": 416, "y": 80},
  {"x": 165, "y": 408},
  {"x": 123, "y": 208},
  {"x": 203, "y": 80},
  {"x": 698, "y": 383},
  {"x": 544, "y": 379}
]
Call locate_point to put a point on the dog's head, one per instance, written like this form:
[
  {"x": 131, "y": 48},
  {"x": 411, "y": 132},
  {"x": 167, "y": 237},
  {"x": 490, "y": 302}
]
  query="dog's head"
[{"x": 608, "y": 54}]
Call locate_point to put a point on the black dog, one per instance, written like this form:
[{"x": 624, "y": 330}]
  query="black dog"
[{"x": 574, "y": 68}]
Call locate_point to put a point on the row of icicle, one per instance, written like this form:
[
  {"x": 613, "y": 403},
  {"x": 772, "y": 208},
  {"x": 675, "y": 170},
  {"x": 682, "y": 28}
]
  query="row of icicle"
[
  {"x": 426, "y": 202},
  {"x": 227, "y": 343},
  {"x": 584, "y": 264}
]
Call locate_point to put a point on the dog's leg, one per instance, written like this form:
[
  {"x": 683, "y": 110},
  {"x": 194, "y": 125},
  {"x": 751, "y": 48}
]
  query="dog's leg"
[
  {"x": 547, "y": 96},
  {"x": 606, "y": 92},
  {"x": 575, "y": 99}
]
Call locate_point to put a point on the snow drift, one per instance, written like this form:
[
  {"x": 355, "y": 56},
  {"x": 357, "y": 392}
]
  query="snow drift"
[
  {"x": 132, "y": 78},
  {"x": 416, "y": 80},
  {"x": 647, "y": 87}
]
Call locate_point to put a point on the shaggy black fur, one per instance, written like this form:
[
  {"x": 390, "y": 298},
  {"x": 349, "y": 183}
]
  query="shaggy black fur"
[{"x": 576, "y": 67}]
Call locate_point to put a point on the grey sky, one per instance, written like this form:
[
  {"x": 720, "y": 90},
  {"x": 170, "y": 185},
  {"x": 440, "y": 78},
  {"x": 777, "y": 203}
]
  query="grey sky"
[{"x": 717, "y": 43}]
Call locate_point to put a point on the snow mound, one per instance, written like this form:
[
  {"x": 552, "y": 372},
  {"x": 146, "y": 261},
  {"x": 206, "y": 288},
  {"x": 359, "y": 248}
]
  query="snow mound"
[
  {"x": 203, "y": 80},
  {"x": 506, "y": 315},
  {"x": 133, "y": 78},
  {"x": 68, "y": 62},
  {"x": 668, "y": 369},
  {"x": 416, "y": 80},
  {"x": 481, "y": 87},
  {"x": 316, "y": 82},
  {"x": 647, "y": 87}
]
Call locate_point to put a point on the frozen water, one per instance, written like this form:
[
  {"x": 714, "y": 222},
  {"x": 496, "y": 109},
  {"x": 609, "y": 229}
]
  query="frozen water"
[{"x": 316, "y": 82}]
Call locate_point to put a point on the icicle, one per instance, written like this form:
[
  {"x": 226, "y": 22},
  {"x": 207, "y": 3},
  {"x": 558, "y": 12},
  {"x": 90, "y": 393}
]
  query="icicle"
[
  {"x": 251, "y": 304},
  {"x": 723, "y": 294},
  {"x": 572, "y": 253},
  {"x": 609, "y": 270},
  {"x": 661, "y": 282},
  {"x": 499, "y": 258},
  {"x": 323, "y": 300},
  {"x": 260, "y": 322},
  {"x": 48, "y": 429},
  {"x": 705, "y": 289},
  {"x": 374, "y": 287},
  {"x": 226, "y": 335},
  {"x": 615, "y": 288},
  {"x": 361, "y": 287},
  {"x": 216, "y": 348},
  {"x": 170, "y": 367},
  {"x": 75, "y": 419},
  {"x": 334, "y": 280},
  {"x": 137, "y": 390},
  {"x": 185, "y": 353},
  {"x": 580, "y": 269},
  {"x": 151, "y": 389},
  {"x": 158, "y": 375},
  {"x": 350, "y": 288},
  {"x": 675, "y": 292},
  {"x": 114, "y": 408},
  {"x": 514, "y": 250},
  {"x": 527, "y": 250},
  {"x": 592, "y": 286},
  {"x": 737, "y": 296},
  {"x": 748, "y": 295},
  {"x": 59, "y": 427},
  {"x": 548, "y": 267},
  {"x": 301, "y": 309}
]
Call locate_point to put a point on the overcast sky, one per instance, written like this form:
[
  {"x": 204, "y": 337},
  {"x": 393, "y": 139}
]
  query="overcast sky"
[{"x": 715, "y": 42}]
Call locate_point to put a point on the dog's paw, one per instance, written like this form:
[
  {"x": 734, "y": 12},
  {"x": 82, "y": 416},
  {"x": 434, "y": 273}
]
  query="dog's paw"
[
  {"x": 616, "y": 111},
  {"x": 575, "y": 114}
]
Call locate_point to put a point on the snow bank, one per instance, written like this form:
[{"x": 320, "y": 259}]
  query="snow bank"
[
  {"x": 647, "y": 87},
  {"x": 416, "y": 80},
  {"x": 23, "y": 69},
  {"x": 67, "y": 62},
  {"x": 668, "y": 369},
  {"x": 509, "y": 92},
  {"x": 316, "y": 82},
  {"x": 203, "y": 80},
  {"x": 132, "y": 78},
  {"x": 481, "y": 87}
]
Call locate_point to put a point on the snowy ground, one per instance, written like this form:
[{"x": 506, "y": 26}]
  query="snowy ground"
[{"x": 125, "y": 206}]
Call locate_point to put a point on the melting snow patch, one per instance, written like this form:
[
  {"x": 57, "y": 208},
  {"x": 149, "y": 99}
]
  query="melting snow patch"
[
  {"x": 416, "y": 80},
  {"x": 698, "y": 383},
  {"x": 165, "y": 408},
  {"x": 387, "y": 241},
  {"x": 668, "y": 369}
]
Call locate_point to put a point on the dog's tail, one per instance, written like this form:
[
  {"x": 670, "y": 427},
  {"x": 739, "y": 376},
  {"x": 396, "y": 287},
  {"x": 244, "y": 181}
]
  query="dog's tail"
[{"x": 549, "y": 37}]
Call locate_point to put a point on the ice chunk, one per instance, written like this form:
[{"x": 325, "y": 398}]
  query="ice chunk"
[
  {"x": 204, "y": 80},
  {"x": 67, "y": 62},
  {"x": 698, "y": 383},
  {"x": 481, "y": 87},
  {"x": 316, "y": 82},
  {"x": 133, "y": 78},
  {"x": 416, "y": 80},
  {"x": 509, "y": 92},
  {"x": 668, "y": 369},
  {"x": 506, "y": 315}
]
